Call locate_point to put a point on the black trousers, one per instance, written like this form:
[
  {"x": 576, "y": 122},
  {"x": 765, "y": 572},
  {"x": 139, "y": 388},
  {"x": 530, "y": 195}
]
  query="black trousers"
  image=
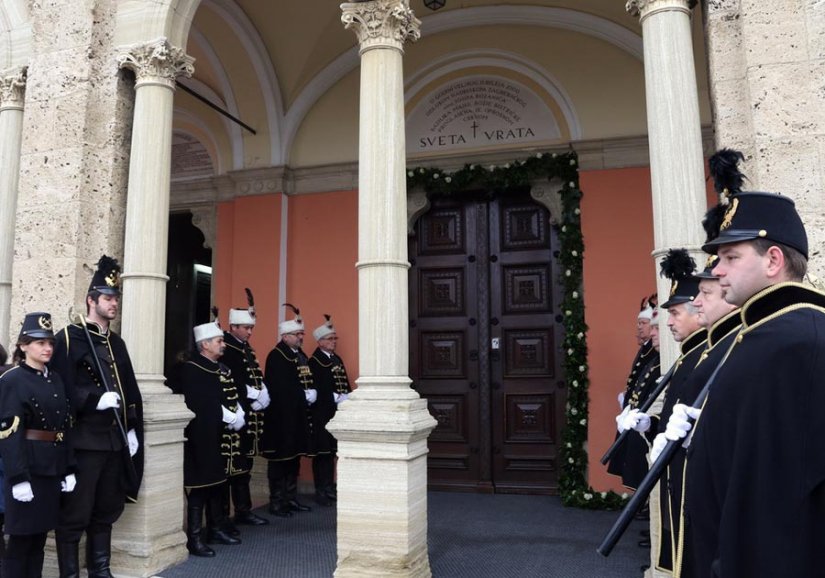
[
  {"x": 98, "y": 499},
  {"x": 323, "y": 473},
  {"x": 24, "y": 556}
]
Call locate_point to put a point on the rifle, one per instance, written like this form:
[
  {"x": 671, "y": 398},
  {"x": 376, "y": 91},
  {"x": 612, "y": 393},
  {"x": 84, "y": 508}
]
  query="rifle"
[
  {"x": 651, "y": 399},
  {"x": 132, "y": 482},
  {"x": 655, "y": 472}
]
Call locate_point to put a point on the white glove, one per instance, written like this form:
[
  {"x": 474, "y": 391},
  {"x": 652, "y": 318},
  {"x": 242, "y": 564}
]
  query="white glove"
[
  {"x": 252, "y": 393},
  {"x": 256, "y": 406},
  {"x": 22, "y": 492},
  {"x": 637, "y": 420},
  {"x": 659, "y": 443},
  {"x": 109, "y": 400},
  {"x": 311, "y": 395},
  {"x": 339, "y": 397},
  {"x": 620, "y": 399},
  {"x": 68, "y": 483},
  {"x": 131, "y": 436},
  {"x": 264, "y": 398},
  {"x": 240, "y": 422},
  {"x": 229, "y": 417},
  {"x": 620, "y": 419},
  {"x": 678, "y": 425}
]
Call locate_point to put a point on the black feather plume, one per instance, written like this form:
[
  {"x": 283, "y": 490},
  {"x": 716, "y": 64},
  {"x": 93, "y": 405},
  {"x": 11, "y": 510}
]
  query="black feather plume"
[
  {"x": 108, "y": 264},
  {"x": 677, "y": 264},
  {"x": 295, "y": 310},
  {"x": 724, "y": 169},
  {"x": 251, "y": 301},
  {"x": 215, "y": 312},
  {"x": 712, "y": 221},
  {"x": 328, "y": 318}
]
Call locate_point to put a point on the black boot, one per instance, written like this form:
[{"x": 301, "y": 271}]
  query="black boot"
[
  {"x": 323, "y": 500},
  {"x": 99, "y": 553},
  {"x": 226, "y": 522},
  {"x": 67, "y": 559},
  {"x": 242, "y": 498},
  {"x": 292, "y": 493},
  {"x": 278, "y": 502},
  {"x": 194, "y": 536},
  {"x": 215, "y": 522}
]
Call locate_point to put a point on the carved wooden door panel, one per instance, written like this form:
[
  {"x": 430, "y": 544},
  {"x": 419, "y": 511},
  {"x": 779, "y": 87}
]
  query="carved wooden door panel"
[{"x": 483, "y": 342}]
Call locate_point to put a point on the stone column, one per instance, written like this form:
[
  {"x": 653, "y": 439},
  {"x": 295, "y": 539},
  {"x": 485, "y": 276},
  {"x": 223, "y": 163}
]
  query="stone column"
[
  {"x": 766, "y": 61},
  {"x": 150, "y": 537},
  {"x": 677, "y": 167},
  {"x": 382, "y": 430},
  {"x": 12, "y": 93}
]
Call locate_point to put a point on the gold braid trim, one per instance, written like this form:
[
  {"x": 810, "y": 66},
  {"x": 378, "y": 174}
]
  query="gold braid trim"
[{"x": 7, "y": 432}]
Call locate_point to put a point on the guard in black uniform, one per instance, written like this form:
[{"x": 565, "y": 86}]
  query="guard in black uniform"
[
  {"x": 34, "y": 423},
  {"x": 330, "y": 378},
  {"x": 643, "y": 356},
  {"x": 100, "y": 447},
  {"x": 240, "y": 358},
  {"x": 754, "y": 496},
  {"x": 288, "y": 419}
]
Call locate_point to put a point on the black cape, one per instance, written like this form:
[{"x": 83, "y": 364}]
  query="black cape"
[
  {"x": 288, "y": 419},
  {"x": 329, "y": 376},
  {"x": 94, "y": 429},
  {"x": 754, "y": 501}
]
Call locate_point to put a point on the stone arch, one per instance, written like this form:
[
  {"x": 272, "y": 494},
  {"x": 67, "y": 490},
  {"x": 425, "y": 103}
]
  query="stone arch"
[{"x": 15, "y": 33}]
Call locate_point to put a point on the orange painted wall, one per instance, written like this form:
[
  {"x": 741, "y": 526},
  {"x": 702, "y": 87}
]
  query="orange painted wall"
[
  {"x": 248, "y": 255},
  {"x": 322, "y": 249},
  {"x": 617, "y": 224}
]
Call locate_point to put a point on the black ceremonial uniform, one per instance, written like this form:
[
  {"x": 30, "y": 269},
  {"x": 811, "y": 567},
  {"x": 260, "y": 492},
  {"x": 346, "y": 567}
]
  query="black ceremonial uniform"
[
  {"x": 330, "y": 377},
  {"x": 212, "y": 451},
  {"x": 754, "y": 500},
  {"x": 100, "y": 449},
  {"x": 629, "y": 461},
  {"x": 719, "y": 339},
  {"x": 34, "y": 430},
  {"x": 691, "y": 350},
  {"x": 643, "y": 356},
  {"x": 240, "y": 358},
  {"x": 288, "y": 422}
]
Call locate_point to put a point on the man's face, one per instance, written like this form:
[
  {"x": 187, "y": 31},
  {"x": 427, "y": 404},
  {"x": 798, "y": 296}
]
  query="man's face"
[
  {"x": 642, "y": 330},
  {"x": 293, "y": 340},
  {"x": 742, "y": 271},
  {"x": 654, "y": 335},
  {"x": 213, "y": 348},
  {"x": 241, "y": 332},
  {"x": 329, "y": 342},
  {"x": 711, "y": 302},
  {"x": 680, "y": 322},
  {"x": 106, "y": 307}
]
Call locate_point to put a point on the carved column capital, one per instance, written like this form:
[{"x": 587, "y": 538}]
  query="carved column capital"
[
  {"x": 13, "y": 88},
  {"x": 205, "y": 219},
  {"x": 156, "y": 62},
  {"x": 645, "y": 8},
  {"x": 381, "y": 23},
  {"x": 548, "y": 194}
]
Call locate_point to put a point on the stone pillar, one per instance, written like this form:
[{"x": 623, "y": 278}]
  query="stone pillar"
[
  {"x": 766, "y": 61},
  {"x": 677, "y": 167},
  {"x": 382, "y": 430},
  {"x": 12, "y": 92},
  {"x": 150, "y": 535}
]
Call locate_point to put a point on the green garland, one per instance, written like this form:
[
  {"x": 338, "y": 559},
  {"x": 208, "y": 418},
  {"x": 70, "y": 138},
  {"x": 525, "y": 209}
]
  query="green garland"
[{"x": 496, "y": 180}]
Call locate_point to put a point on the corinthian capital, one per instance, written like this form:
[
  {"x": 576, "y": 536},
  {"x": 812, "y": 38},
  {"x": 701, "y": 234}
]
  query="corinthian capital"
[
  {"x": 13, "y": 88},
  {"x": 156, "y": 62},
  {"x": 381, "y": 23},
  {"x": 644, "y": 8}
]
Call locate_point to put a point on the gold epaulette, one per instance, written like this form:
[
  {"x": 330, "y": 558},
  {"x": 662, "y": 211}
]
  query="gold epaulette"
[{"x": 7, "y": 431}]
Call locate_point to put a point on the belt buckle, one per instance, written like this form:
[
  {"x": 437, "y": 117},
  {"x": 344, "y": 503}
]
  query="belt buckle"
[{"x": 58, "y": 436}]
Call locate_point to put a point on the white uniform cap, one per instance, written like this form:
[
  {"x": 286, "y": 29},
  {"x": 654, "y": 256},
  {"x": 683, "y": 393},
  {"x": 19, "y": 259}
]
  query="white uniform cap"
[
  {"x": 207, "y": 331},
  {"x": 323, "y": 331},
  {"x": 290, "y": 326},
  {"x": 646, "y": 313},
  {"x": 241, "y": 317}
]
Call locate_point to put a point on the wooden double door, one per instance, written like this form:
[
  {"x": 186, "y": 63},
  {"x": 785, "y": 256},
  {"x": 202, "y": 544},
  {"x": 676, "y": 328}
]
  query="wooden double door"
[{"x": 485, "y": 333}]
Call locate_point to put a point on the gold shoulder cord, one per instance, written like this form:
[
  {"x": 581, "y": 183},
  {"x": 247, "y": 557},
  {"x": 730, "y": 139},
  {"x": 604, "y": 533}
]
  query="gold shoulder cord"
[{"x": 11, "y": 429}]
